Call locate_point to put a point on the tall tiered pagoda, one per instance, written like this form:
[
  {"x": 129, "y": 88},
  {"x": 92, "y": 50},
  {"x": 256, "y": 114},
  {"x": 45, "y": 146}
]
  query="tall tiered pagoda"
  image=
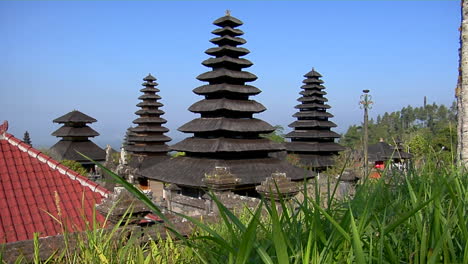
[
  {"x": 147, "y": 139},
  {"x": 312, "y": 139},
  {"x": 75, "y": 135},
  {"x": 226, "y": 134}
]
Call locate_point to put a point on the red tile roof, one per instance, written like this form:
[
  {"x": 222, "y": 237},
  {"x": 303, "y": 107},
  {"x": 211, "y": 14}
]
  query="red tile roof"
[{"x": 38, "y": 194}]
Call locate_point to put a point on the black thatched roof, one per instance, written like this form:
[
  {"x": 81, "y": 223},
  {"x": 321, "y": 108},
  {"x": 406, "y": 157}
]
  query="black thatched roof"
[
  {"x": 75, "y": 133},
  {"x": 67, "y": 131},
  {"x": 215, "y": 145},
  {"x": 189, "y": 171},
  {"x": 250, "y": 125},
  {"x": 248, "y": 106},
  {"x": 312, "y": 138},
  {"x": 382, "y": 151},
  {"x": 148, "y": 139},
  {"x": 66, "y": 149},
  {"x": 226, "y": 130},
  {"x": 75, "y": 116}
]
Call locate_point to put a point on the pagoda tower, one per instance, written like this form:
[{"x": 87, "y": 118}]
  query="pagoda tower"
[
  {"x": 147, "y": 139},
  {"x": 75, "y": 135},
  {"x": 312, "y": 139},
  {"x": 226, "y": 134}
]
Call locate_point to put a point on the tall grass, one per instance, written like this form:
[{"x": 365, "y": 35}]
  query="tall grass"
[{"x": 419, "y": 216}]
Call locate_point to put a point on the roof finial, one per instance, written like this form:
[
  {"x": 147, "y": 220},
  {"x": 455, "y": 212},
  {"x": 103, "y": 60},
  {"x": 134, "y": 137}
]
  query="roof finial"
[
  {"x": 3, "y": 128},
  {"x": 228, "y": 12}
]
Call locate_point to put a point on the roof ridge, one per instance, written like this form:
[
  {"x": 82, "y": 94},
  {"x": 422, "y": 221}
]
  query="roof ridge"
[{"x": 55, "y": 165}]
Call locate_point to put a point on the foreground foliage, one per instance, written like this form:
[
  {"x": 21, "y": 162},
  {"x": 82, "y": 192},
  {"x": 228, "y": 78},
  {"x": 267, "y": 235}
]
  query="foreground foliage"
[{"x": 419, "y": 216}]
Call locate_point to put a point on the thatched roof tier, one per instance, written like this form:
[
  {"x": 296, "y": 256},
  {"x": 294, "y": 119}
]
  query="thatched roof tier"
[
  {"x": 228, "y": 51},
  {"x": 311, "y": 124},
  {"x": 312, "y": 134},
  {"x": 313, "y": 86},
  {"x": 228, "y": 21},
  {"x": 312, "y": 92},
  {"x": 67, "y": 150},
  {"x": 228, "y": 31},
  {"x": 150, "y": 79},
  {"x": 149, "y": 97},
  {"x": 214, "y": 145},
  {"x": 147, "y": 138},
  {"x": 300, "y": 146},
  {"x": 148, "y": 150},
  {"x": 67, "y": 131},
  {"x": 316, "y": 161},
  {"x": 312, "y": 114},
  {"x": 228, "y": 62},
  {"x": 228, "y": 40},
  {"x": 157, "y": 138},
  {"x": 149, "y": 112},
  {"x": 149, "y": 104},
  {"x": 74, "y": 117},
  {"x": 149, "y": 89},
  {"x": 150, "y": 120},
  {"x": 208, "y": 105},
  {"x": 312, "y": 137},
  {"x": 146, "y": 129},
  {"x": 226, "y": 75},
  {"x": 229, "y": 88},
  {"x": 312, "y": 81},
  {"x": 227, "y": 124},
  {"x": 189, "y": 171},
  {"x": 312, "y": 99},
  {"x": 312, "y": 105},
  {"x": 312, "y": 74}
]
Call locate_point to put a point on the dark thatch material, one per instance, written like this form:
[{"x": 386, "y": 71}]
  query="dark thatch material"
[
  {"x": 312, "y": 138},
  {"x": 312, "y": 99},
  {"x": 67, "y": 150},
  {"x": 227, "y": 74},
  {"x": 148, "y": 139},
  {"x": 226, "y": 88},
  {"x": 228, "y": 31},
  {"x": 226, "y": 133},
  {"x": 67, "y": 131},
  {"x": 75, "y": 135},
  {"x": 312, "y": 105},
  {"x": 248, "y": 106},
  {"x": 311, "y": 123},
  {"x": 228, "y": 40},
  {"x": 382, "y": 151},
  {"x": 227, "y": 61},
  {"x": 227, "y": 124},
  {"x": 312, "y": 114},
  {"x": 313, "y": 92},
  {"x": 312, "y": 134},
  {"x": 301, "y": 146},
  {"x": 189, "y": 171},
  {"x": 75, "y": 117},
  {"x": 215, "y": 145}
]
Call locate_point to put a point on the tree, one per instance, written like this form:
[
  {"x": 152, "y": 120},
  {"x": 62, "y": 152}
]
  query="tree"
[
  {"x": 277, "y": 135},
  {"x": 26, "y": 138},
  {"x": 76, "y": 166}
]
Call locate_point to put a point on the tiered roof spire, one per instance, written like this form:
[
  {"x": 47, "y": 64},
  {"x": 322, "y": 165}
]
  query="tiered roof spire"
[
  {"x": 226, "y": 133},
  {"x": 147, "y": 138},
  {"x": 312, "y": 139},
  {"x": 75, "y": 135}
]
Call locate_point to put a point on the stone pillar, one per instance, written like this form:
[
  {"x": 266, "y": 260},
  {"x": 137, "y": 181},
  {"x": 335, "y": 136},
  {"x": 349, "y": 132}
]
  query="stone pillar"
[{"x": 171, "y": 191}]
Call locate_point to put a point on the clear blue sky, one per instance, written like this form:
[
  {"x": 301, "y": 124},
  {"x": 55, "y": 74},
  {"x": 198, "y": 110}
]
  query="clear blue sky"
[{"x": 56, "y": 56}]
